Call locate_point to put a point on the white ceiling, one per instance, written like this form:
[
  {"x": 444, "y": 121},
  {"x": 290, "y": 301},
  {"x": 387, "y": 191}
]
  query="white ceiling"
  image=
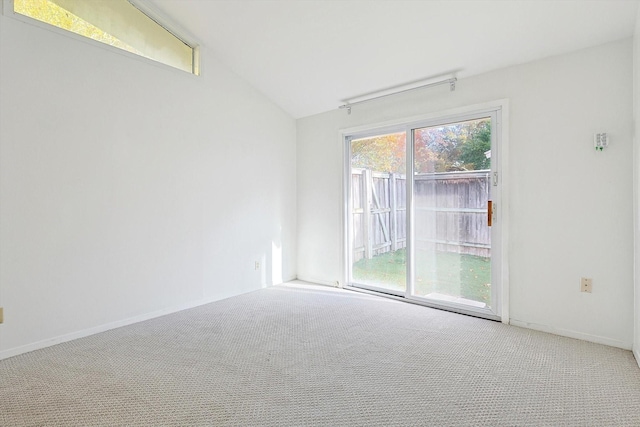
[{"x": 310, "y": 56}]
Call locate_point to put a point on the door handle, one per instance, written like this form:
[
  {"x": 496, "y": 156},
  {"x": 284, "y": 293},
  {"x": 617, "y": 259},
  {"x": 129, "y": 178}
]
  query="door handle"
[{"x": 489, "y": 213}]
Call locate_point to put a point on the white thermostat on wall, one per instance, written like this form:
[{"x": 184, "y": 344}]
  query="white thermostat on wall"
[{"x": 600, "y": 141}]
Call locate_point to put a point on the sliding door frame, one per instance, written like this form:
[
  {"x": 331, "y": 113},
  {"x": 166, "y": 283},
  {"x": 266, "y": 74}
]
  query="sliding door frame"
[
  {"x": 498, "y": 111},
  {"x": 345, "y": 139}
]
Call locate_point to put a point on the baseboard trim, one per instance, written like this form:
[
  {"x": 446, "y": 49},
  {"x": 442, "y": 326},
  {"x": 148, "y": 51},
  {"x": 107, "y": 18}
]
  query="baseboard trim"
[
  {"x": 572, "y": 334},
  {"x": 5, "y": 354},
  {"x": 316, "y": 281},
  {"x": 636, "y": 354},
  {"x": 287, "y": 279}
]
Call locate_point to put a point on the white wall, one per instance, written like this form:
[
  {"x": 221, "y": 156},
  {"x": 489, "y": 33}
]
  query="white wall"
[
  {"x": 636, "y": 185},
  {"x": 129, "y": 189},
  {"x": 571, "y": 211}
]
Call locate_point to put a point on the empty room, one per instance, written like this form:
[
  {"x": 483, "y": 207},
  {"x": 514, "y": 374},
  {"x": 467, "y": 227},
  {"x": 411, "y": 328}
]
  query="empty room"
[{"x": 319, "y": 213}]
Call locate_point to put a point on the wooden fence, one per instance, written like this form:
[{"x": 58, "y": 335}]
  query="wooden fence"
[{"x": 450, "y": 212}]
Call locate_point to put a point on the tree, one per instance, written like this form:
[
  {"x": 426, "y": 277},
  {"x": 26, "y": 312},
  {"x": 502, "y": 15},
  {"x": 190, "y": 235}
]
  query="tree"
[
  {"x": 49, "y": 12},
  {"x": 451, "y": 147},
  {"x": 384, "y": 153},
  {"x": 473, "y": 152},
  {"x": 437, "y": 148}
]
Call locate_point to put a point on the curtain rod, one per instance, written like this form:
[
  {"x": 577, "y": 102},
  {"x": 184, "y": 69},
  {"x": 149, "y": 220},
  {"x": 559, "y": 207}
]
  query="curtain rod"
[{"x": 452, "y": 87}]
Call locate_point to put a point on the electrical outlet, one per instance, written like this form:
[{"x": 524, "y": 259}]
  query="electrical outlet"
[
  {"x": 586, "y": 284},
  {"x": 257, "y": 265}
]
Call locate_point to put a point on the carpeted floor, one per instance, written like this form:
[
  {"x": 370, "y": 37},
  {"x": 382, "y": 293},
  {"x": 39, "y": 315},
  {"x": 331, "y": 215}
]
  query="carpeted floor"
[{"x": 295, "y": 356}]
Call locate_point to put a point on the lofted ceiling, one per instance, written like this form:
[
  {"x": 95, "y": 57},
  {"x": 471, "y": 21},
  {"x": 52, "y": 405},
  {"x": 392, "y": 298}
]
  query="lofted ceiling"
[{"x": 310, "y": 56}]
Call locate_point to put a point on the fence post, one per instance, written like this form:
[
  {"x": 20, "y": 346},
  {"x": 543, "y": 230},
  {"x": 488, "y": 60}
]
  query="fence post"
[
  {"x": 366, "y": 213},
  {"x": 393, "y": 204}
]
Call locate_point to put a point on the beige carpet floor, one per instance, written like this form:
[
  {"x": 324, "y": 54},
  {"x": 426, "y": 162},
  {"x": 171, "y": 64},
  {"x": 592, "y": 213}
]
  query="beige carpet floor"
[{"x": 307, "y": 356}]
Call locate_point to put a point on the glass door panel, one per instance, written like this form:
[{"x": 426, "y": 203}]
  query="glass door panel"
[
  {"x": 378, "y": 212},
  {"x": 451, "y": 191}
]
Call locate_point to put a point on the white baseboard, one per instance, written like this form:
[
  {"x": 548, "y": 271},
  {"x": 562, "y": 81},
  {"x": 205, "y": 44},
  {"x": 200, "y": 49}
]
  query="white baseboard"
[
  {"x": 5, "y": 354},
  {"x": 317, "y": 281},
  {"x": 286, "y": 279},
  {"x": 636, "y": 354},
  {"x": 573, "y": 334}
]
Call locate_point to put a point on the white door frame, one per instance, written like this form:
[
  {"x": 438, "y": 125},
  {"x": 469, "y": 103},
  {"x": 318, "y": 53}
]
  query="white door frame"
[{"x": 498, "y": 110}]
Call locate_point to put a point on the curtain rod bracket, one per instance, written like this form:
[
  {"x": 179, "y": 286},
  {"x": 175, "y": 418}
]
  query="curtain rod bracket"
[{"x": 347, "y": 107}]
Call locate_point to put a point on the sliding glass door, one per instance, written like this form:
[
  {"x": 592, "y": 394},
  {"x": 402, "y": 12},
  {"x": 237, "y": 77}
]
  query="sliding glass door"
[
  {"x": 420, "y": 212},
  {"x": 451, "y": 194},
  {"x": 378, "y": 212}
]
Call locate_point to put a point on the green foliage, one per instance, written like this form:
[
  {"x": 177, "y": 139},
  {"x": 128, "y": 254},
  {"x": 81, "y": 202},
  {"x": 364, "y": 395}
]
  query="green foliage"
[
  {"x": 384, "y": 153},
  {"x": 49, "y": 12},
  {"x": 473, "y": 151},
  {"x": 468, "y": 276},
  {"x": 452, "y": 147}
]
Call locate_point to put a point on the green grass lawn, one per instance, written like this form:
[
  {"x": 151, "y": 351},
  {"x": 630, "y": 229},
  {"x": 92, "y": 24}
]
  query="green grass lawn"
[{"x": 466, "y": 276}]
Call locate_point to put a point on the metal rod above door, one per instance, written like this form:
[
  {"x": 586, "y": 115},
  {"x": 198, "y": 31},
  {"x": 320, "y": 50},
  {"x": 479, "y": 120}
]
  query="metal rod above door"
[{"x": 451, "y": 81}]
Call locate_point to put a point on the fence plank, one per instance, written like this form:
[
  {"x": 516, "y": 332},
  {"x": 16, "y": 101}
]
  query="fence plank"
[
  {"x": 394, "y": 212},
  {"x": 366, "y": 218},
  {"x": 450, "y": 212},
  {"x": 379, "y": 212}
]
